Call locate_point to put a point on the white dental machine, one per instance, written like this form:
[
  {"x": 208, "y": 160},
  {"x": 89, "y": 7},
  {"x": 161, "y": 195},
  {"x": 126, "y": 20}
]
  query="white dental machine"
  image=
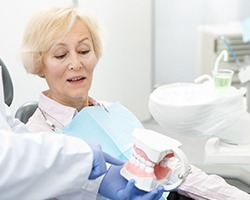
[{"x": 209, "y": 117}]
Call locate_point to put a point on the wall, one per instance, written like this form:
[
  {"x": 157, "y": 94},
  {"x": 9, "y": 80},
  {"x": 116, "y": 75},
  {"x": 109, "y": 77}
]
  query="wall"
[{"x": 124, "y": 71}]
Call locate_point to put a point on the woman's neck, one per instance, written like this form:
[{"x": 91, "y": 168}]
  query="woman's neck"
[{"x": 77, "y": 103}]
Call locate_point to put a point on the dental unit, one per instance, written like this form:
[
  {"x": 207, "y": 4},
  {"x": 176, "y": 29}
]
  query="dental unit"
[
  {"x": 149, "y": 161},
  {"x": 211, "y": 121}
]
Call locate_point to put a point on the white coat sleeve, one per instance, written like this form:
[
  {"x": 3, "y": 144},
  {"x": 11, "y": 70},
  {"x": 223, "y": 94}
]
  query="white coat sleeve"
[
  {"x": 89, "y": 191},
  {"x": 41, "y": 166}
]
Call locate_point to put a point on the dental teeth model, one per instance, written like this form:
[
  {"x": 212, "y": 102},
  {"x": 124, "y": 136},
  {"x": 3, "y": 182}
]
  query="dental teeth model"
[{"x": 148, "y": 163}]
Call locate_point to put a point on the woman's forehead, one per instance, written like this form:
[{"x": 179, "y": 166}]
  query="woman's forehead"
[{"x": 79, "y": 32}]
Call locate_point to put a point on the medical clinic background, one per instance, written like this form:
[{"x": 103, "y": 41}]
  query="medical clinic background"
[{"x": 147, "y": 43}]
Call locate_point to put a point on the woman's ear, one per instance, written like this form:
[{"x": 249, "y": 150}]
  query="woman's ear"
[{"x": 41, "y": 74}]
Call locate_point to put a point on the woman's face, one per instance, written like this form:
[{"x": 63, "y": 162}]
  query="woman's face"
[{"x": 68, "y": 66}]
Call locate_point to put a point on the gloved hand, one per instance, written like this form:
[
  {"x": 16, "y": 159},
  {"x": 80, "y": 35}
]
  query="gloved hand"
[
  {"x": 115, "y": 187},
  {"x": 99, "y": 161}
]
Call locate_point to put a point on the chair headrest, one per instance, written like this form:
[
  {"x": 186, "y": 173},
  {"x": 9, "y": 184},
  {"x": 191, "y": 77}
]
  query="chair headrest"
[{"x": 7, "y": 84}]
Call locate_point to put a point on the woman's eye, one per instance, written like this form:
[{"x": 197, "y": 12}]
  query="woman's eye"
[
  {"x": 84, "y": 52},
  {"x": 60, "y": 56}
]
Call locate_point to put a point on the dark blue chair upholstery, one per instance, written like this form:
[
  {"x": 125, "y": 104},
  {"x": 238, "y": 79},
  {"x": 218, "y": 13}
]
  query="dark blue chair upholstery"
[{"x": 7, "y": 84}]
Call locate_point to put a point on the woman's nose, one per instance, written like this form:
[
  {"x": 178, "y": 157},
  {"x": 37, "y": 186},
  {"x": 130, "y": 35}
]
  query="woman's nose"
[{"x": 75, "y": 63}]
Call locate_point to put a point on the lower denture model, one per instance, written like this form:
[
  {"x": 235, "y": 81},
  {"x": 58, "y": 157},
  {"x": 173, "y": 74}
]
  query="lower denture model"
[{"x": 149, "y": 161}]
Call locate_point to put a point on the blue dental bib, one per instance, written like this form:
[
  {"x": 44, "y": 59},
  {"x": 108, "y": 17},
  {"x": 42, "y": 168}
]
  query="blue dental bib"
[{"x": 111, "y": 127}]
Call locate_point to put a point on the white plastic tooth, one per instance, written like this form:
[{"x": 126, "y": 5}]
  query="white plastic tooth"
[
  {"x": 132, "y": 159},
  {"x": 163, "y": 164},
  {"x": 165, "y": 159},
  {"x": 149, "y": 164},
  {"x": 136, "y": 155},
  {"x": 149, "y": 169},
  {"x": 142, "y": 166},
  {"x": 139, "y": 157},
  {"x": 143, "y": 160},
  {"x": 137, "y": 163}
]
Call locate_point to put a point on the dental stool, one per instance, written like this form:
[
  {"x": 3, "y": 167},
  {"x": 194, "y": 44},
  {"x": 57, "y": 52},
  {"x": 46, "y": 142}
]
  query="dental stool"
[{"x": 25, "y": 111}]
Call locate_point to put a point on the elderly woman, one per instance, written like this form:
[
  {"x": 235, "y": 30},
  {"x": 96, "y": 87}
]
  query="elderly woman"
[{"x": 63, "y": 46}]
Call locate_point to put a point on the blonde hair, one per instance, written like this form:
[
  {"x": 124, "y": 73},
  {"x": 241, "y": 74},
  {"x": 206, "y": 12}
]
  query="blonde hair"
[{"x": 46, "y": 27}]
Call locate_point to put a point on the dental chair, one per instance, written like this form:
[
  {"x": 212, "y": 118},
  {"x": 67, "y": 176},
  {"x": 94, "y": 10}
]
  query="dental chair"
[
  {"x": 7, "y": 84},
  {"x": 25, "y": 111}
]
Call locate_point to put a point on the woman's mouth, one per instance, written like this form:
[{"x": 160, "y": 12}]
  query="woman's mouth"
[{"x": 76, "y": 79}]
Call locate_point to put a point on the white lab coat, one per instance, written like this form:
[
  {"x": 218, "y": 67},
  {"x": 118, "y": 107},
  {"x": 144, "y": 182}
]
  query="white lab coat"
[{"x": 39, "y": 166}]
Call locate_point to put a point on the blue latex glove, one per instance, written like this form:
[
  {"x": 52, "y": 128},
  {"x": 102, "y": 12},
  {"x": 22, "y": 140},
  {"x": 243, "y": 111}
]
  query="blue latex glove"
[
  {"x": 100, "y": 159},
  {"x": 115, "y": 187}
]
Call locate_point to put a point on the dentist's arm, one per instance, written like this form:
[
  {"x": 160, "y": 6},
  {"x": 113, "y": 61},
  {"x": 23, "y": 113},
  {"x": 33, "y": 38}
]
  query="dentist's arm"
[{"x": 42, "y": 165}]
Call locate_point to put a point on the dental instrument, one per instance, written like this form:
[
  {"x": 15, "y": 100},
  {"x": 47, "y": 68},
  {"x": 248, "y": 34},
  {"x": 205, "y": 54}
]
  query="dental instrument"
[
  {"x": 223, "y": 54},
  {"x": 231, "y": 51},
  {"x": 148, "y": 164},
  {"x": 222, "y": 77}
]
